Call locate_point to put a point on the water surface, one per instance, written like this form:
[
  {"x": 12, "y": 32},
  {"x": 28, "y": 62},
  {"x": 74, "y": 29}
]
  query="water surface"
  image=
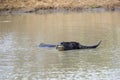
[{"x": 22, "y": 59}]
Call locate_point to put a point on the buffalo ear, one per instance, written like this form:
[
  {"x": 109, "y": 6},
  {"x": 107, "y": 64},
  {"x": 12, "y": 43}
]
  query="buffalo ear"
[{"x": 62, "y": 42}]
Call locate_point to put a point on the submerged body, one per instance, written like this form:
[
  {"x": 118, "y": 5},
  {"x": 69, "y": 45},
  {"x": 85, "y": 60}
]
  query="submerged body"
[{"x": 63, "y": 46}]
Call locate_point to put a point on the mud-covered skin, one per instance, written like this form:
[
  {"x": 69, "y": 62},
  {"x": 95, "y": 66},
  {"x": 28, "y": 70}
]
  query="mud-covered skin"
[{"x": 70, "y": 45}]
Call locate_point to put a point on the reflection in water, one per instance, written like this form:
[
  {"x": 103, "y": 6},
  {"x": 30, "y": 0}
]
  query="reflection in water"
[{"x": 22, "y": 59}]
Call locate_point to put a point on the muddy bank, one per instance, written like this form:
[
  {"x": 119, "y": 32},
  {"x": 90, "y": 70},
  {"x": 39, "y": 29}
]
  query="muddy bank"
[{"x": 43, "y": 6}]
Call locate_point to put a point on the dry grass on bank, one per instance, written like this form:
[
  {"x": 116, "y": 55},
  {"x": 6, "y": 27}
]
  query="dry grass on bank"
[{"x": 46, "y": 4}]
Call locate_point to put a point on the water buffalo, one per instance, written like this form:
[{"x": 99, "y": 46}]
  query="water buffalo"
[{"x": 63, "y": 46}]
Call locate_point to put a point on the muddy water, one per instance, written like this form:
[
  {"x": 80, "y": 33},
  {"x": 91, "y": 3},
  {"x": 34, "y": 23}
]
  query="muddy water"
[{"x": 22, "y": 59}]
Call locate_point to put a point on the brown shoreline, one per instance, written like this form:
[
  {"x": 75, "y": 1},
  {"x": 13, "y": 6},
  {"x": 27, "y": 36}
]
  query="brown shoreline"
[
  {"x": 48, "y": 6},
  {"x": 55, "y": 10}
]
